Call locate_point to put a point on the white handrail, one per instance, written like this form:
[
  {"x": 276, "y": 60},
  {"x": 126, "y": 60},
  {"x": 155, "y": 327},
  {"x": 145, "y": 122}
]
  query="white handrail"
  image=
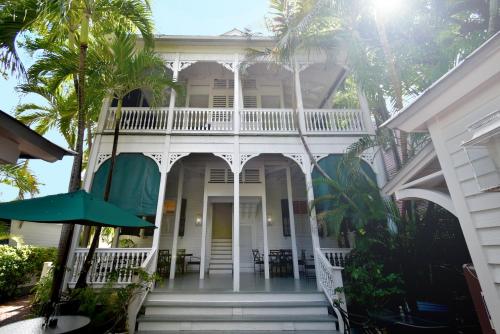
[
  {"x": 136, "y": 303},
  {"x": 267, "y": 120},
  {"x": 330, "y": 279},
  {"x": 138, "y": 119},
  {"x": 333, "y": 120}
]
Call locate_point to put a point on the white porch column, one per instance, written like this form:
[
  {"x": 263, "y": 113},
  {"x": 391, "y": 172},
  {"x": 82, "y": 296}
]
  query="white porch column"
[
  {"x": 298, "y": 95},
  {"x": 292, "y": 224},
  {"x": 236, "y": 95},
  {"x": 173, "y": 94},
  {"x": 236, "y": 232},
  {"x": 178, "y": 206},
  {"x": 159, "y": 210},
  {"x": 365, "y": 109},
  {"x": 264, "y": 226},
  {"x": 203, "y": 252},
  {"x": 312, "y": 218}
]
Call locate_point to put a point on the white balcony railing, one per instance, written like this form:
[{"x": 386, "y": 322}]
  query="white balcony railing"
[
  {"x": 138, "y": 119},
  {"x": 336, "y": 256},
  {"x": 267, "y": 120},
  {"x": 221, "y": 120},
  {"x": 337, "y": 120},
  {"x": 202, "y": 120},
  {"x": 120, "y": 261}
]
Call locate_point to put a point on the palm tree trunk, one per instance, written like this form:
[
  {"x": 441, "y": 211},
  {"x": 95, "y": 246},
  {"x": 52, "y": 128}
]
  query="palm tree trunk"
[
  {"x": 82, "y": 279},
  {"x": 493, "y": 20},
  {"x": 299, "y": 129},
  {"x": 75, "y": 178}
]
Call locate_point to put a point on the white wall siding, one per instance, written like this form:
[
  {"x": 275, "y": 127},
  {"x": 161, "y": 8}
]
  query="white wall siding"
[
  {"x": 479, "y": 212},
  {"x": 37, "y": 234}
]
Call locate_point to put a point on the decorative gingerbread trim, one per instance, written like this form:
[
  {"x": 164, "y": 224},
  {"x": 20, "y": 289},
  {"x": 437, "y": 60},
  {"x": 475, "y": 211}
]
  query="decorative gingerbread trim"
[
  {"x": 299, "y": 159},
  {"x": 228, "y": 157},
  {"x": 245, "y": 157},
  {"x": 173, "y": 157},
  {"x": 157, "y": 157},
  {"x": 230, "y": 65},
  {"x": 101, "y": 158}
]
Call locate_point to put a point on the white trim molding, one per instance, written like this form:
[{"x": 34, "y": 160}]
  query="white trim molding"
[
  {"x": 299, "y": 159},
  {"x": 100, "y": 160},
  {"x": 156, "y": 156},
  {"x": 245, "y": 157},
  {"x": 440, "y": 198},
  {"x": 229, "y": 158},
  {"x": 173, "y": 157}
]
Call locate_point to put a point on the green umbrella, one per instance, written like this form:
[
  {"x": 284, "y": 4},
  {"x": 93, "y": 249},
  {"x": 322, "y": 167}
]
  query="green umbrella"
[{"x": 77, "y": 207}]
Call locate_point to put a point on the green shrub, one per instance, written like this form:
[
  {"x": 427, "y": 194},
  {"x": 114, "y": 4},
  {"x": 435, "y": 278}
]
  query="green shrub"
[{"x": 18, "y": 265}]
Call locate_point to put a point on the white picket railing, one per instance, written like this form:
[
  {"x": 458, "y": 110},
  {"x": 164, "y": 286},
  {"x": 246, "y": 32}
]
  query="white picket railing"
[
  {"x": 221, "y": 120},
  {"x": 267, "y": 120},
  {"x": 202, "y": 120},
  {"x": 334, "y": 120},
  {"x": 121, "y": 261},
  {"x": 330, "y": 279},
  {"x": 138, "y": 119}
]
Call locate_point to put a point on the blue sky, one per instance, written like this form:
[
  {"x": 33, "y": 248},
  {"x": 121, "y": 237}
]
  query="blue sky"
[{"x": 173, "y": 17}]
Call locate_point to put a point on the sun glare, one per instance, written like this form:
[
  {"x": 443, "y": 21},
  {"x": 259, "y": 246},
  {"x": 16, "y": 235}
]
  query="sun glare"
[{"x": 387, "y": 7}]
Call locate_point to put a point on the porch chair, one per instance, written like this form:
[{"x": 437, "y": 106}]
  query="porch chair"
[
  {"x": 193, "y": 261},
  {"x": 257, "y": 259},
  {"x": 275, "y": 261},
  {"x": 180, "y": 263},
  {"x": 307, "y": 265},
  {"x": 164, "y": 259}
]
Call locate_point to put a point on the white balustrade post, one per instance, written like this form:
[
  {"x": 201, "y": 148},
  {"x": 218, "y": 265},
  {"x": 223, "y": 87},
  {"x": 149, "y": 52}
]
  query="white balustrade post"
[
  {"x": 368, "y": 125},
  {"x": 264, "y": 226},
  {"x": 173, "y": 94},
  {"x": 292, "y": 224},
  {"x": 236, "y": 232},
  {"x": 312, "y": 218},
  {"x": 178, "y": 206},
  {"x": 203, "y": 252},
  {"x": 236, "y": 95}
]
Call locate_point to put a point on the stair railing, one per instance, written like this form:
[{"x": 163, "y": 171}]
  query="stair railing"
[
  {"x": 149, "y": 266},
  {"x": 330, "y": 280}
]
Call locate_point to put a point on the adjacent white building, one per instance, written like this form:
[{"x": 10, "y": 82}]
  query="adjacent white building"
[
  {"x": 460, "y": 167},
  {"x": 177, "y": 165}
]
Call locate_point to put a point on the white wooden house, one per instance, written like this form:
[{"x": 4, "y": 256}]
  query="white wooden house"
[
  {"x": 234, "y": 122},
  {"x": 459, "y": 168}
]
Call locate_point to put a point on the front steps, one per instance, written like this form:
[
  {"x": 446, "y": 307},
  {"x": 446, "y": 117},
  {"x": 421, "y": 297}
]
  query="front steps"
[
  {"x": 236, "y": 312},
  {"x": 221, "y": 259}
]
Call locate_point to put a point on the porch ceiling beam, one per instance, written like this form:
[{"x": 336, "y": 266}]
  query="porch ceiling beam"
[
  {"x": 433, "y": 177},
  {"x": 440, "y": 198}
]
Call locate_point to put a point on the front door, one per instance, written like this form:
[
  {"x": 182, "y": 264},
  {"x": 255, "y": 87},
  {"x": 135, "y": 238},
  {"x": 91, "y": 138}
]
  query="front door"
[{"x": 222, "y": 221}]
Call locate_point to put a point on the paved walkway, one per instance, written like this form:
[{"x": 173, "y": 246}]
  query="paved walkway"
[{"x": 15, "y": 310}]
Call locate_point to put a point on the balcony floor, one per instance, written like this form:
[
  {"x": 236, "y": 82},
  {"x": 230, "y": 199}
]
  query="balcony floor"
[{"x": 249, "y": 282}]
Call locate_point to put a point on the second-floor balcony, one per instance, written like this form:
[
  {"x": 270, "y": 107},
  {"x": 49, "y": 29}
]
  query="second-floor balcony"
[{"x": 258, "y": 121}]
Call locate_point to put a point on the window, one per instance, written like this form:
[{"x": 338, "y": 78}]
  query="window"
[
  {"x": 249, "y": 101},
  {"x": 223, "y": 83},
  {"x": 270, "y": 101},
  {"x": 198, "y": 101},
  {"x": 222, "y": 101}
]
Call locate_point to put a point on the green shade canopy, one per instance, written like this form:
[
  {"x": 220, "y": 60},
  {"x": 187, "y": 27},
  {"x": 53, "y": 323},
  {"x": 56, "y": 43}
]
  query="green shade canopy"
[
  {"x": 136, "y": 181},
  {"x": 77, "y": 207}
]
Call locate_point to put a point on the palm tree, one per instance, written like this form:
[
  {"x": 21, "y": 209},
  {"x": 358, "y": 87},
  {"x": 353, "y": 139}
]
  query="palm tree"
[
  {"x": 124, "y": 71},
  {"x": 20, "y": 177}
]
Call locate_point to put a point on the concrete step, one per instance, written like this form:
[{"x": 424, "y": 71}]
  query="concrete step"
[
  {"x": 213, "y": 271},
  {"x": 239, "y": 332},
  {"x": 240, "y": 297},
  {"x": 220, "y": 266},
  {"x": 222, "y": 257},
  {"x": 222, "y": 240},
  {"x": 219, "y": 260},
  {"x": 236, "y": 322},
  {"x": 221, "y": 252}
]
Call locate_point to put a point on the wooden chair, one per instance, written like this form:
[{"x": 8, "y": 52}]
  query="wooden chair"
[
  {"x": 307, "y": 265},
  {"x": 164, "y": 259},
  {"x": 193, "y": 261},
  {"x": 180, "y": 263},
  {"x": 257, "y": 260},
  {"x": 274, "y": 261}
]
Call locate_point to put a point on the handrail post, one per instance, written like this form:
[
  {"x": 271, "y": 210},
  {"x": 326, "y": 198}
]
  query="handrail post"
[
  {"x": 173, "y": 94},
  {"x": 236, "y": 95}
]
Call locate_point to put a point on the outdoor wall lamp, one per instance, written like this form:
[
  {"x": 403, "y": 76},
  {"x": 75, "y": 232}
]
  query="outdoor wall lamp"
[
  {"x": 483, "y": 151},
  {"x": 197, "y": 220},
  {"x": 269, "y": 220}
]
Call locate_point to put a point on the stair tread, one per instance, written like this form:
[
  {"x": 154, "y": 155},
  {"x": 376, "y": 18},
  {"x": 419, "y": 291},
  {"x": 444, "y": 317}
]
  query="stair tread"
[
  {"x": 240, "y": 332},
  {"x": 235, "y": 318},
  {"x": 286, "y": 304}
]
